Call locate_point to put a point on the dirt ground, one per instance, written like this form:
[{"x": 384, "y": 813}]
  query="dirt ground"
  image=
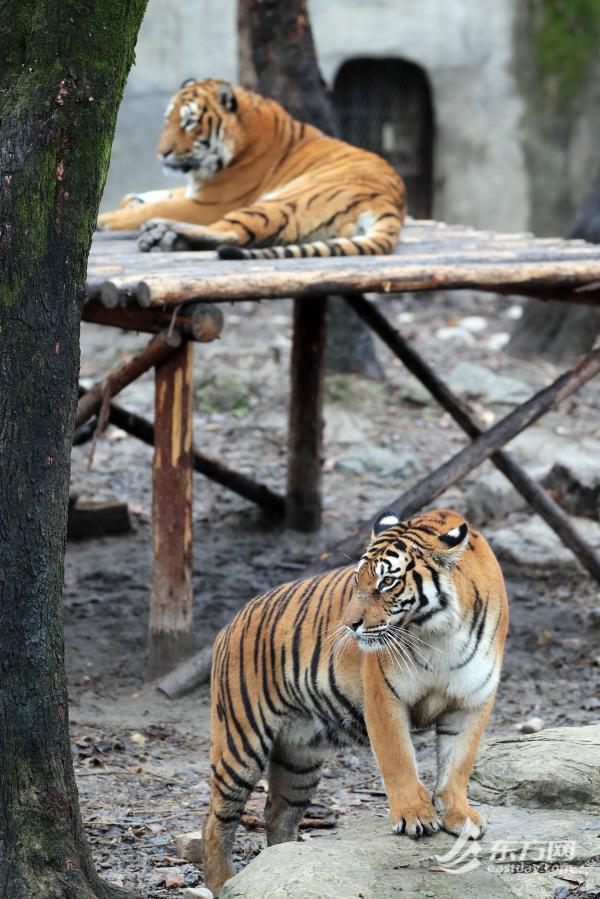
[{"x": 142, "y": 760}]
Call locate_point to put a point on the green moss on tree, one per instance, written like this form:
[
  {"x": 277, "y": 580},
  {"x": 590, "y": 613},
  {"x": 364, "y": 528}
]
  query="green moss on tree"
[
  {"x": 63, "y": 67},
  {"x": 567, "y": 41}
]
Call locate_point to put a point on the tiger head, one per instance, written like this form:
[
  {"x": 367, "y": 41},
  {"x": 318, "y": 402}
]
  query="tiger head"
[
  {"x": 405, "y": 577},
  {"x": 202, "y": 128}
]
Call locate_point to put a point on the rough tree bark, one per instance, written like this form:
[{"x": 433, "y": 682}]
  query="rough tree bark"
[
  {"x": 560, "y": 331},
  {"x": 62, "y": 71},
  {"x": 277, "y": 58}
]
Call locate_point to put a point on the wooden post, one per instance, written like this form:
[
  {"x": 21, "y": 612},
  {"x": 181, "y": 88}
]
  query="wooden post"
[
  {"x": 305, "y": 436},
  {"x": 170, "y": 626}
]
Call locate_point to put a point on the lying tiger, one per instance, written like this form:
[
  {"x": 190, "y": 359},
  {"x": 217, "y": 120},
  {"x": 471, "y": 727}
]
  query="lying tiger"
[
  {"x": 260, "y": 179},
  {"x": 412, "y": 637}
]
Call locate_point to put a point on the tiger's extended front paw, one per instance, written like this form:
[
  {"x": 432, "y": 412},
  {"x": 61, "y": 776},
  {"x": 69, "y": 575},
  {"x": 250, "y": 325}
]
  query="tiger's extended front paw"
[
  {"x": 416, "y": 818},
  {"x": 161, "y": 234},
  {"x": 464, "y": 820},
  {"x": 118, "y": 220}
]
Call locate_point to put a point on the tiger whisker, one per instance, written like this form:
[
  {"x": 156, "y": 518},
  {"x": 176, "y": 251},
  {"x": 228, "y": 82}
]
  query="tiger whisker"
[
  {"x": 408, "y": 635},
  {"x": 404, "y": 650},
  {"x": 398, "y": 638},
  {"x": 408, "y": 662},
  {"x": 394, "y": 654}
]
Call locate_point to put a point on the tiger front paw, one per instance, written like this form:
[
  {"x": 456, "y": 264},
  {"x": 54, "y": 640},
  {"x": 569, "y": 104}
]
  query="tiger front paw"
[
  {"x": 463, "y": 820},
  {"x": 161, "y": 234},
  {"x": 416, "y": 818}
]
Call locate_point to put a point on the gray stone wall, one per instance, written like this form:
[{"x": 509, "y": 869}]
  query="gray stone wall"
[
  {"x": 179, "y": 39},
  {"x": 498, "y": 163}
]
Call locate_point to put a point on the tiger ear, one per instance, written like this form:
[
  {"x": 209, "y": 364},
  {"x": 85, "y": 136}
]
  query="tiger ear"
[
  {"x": 186, "y": 82},
  {"x": 383, "y": 522},
  {"x": 455, "y": 541},
  {"x": 227, "y": 98}
]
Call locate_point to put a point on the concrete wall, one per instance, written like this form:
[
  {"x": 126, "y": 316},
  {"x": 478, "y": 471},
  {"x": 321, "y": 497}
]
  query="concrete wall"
[
  {"x": 486, "y": 164},
  {"x": 179, "y": 39}
]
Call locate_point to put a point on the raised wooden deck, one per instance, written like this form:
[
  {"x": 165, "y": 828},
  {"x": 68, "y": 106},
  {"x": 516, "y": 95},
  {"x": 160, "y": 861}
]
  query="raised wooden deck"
[{"x": 430, "y": 256}]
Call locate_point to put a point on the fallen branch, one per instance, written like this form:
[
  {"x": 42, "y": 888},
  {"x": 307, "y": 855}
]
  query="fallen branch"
[{"x": 192, "y": 673}]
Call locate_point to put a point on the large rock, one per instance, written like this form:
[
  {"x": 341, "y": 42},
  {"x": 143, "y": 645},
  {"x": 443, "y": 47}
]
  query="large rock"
[
  {"x": 576, "y": 486},
  {"x": 369, "y": 459},
  {"x": 471, "y": 379},
  {"x": 531, "y": 544},
  {"x": 541, "y": 444},
  {"x": 367, "y": 861},
  {"x": 492, "y": 497},
  {"x": 556, "y": 768}
]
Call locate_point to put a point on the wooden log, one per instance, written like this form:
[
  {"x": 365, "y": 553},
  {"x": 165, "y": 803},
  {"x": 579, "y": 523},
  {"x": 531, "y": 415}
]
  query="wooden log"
[
  {"x": 125, "y": 373},
  {"x": 198, "y": 321},
  {"x": 96, "y": 518},
  {"x": 170, "y": 625},
  {"x": 191, "y": 674},
  {"x": 535, "y": 495},
  {"x": 550, "y": 278},
  {"x": 305, "y": 429}
]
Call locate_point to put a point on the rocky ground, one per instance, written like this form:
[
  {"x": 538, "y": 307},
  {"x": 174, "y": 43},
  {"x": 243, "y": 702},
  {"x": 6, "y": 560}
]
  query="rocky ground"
[{"x": 142, "y": 760}]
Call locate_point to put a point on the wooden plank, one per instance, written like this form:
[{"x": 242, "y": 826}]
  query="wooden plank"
[
  {"x": 219, "y": 282},
  {"x": 170, "y": 624},
  {"x": 305, "y": 434},
  {"x": 430, "y": 255}
]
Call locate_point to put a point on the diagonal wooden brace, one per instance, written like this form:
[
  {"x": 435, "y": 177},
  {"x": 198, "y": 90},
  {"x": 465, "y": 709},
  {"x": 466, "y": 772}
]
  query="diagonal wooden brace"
[
  {"x": 121, "y": 375},
  {"x": 487, "y": 444}
]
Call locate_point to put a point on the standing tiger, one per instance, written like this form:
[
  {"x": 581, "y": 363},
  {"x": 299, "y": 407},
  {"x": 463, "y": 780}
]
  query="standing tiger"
[
  {"x": 260, "y": 179},
  {"x": 411, "y": 637}
]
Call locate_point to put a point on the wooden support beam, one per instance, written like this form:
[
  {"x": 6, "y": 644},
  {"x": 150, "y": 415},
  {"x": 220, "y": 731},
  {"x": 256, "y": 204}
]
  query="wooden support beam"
[
  {"x": 536, "y": 496},
  {"x": 170, "y": 626},
  {"x": 159, "y": 348},
  {"x": 305, "y": 434},
  {"x": 195, "y": 321}
]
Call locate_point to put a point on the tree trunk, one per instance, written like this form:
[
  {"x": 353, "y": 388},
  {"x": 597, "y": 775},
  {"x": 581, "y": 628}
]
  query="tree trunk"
[
  {"x": 560, "y": 331},
  {"x": 62, "y": 72},
  {"x": 277, "y": 58}
]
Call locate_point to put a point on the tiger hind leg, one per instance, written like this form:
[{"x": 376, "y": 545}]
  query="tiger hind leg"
[
  {"x": 237, "y": 763},
  {"x": 230, "y": 792},
  {"x": 294, "y": 774}
]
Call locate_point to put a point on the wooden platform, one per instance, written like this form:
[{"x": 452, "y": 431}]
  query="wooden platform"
[
  {"x": 430, "y": 256},
  {"x": 173, "y": 295}
]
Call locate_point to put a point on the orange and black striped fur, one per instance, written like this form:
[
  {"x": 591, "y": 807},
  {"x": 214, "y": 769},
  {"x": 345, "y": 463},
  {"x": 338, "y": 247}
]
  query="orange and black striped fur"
[
  {"x": 259, "y": 179},
  {"x": 412, "y": 637}
]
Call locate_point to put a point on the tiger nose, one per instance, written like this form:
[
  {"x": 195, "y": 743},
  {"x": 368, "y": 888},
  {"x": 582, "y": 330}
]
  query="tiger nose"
[{"x": 354, "y": 625}]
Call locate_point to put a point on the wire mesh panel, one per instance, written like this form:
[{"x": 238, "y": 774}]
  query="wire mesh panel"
[{"x": 384, "y": 105}]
